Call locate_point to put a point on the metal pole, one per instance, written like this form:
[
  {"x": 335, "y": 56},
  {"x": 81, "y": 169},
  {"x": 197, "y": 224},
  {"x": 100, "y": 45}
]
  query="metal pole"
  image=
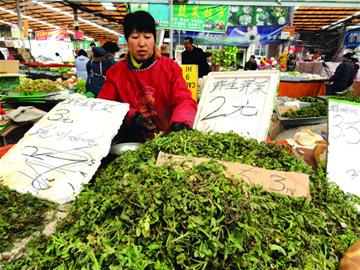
[
  {"x": 171, "y": 34},
  {"x": 18, "y": 11}
]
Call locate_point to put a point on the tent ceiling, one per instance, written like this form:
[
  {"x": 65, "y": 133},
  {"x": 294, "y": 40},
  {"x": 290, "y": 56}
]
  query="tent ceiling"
[
  {"x": 94, "y": 19},
  {"x": 314, "y": 18}
]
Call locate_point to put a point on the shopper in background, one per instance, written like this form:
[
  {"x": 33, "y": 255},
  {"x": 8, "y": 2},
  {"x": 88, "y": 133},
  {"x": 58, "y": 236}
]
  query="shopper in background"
[
  {"x": 80, "y": 64},
  {"x": 194, "y": 56},
  {"x": 2, "y": 56},
  {"x": 103, "y": 59},
  {"x": 90, "y": 52},
  {"x": 251, "y": 64},
  {"x": 343, "y": 77},
  {"x": 291, "y": 63},
  {"x": 152, "y": 84}
]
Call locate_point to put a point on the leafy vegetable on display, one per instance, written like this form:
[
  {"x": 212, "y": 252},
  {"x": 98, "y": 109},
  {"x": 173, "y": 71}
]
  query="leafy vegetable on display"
[
  {"x": 41, "y": 85},
  {"x": 20, "y": 216},
  {"x": 316, "y": 109},
  {"x": 137, "y": 215}
]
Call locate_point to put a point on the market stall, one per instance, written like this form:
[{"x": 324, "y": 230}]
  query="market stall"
[
  {"x": 223, "y": 193},
  {"x": 296, "y": 84}
]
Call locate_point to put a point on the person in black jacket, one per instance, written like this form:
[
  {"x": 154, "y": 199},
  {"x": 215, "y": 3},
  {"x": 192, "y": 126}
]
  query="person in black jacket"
[
  {"x": 194, "y": 56},
  {"x": 103, "y": 59},
  {"x": 343, "y": 77},
  {"x": 251, "y": 64}
]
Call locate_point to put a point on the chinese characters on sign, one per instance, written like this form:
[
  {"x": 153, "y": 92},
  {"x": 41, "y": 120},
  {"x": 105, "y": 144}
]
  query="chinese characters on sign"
[
  {"x": 63, "y": 150},
  {"x": 52, "y": 34},
  {"x": 238, "y": 101},
  {"x": 344, "y": 145},
  {"x": 202, "y": 18}
]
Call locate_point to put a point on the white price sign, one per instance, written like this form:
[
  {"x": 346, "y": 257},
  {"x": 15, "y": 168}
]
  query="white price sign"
[
  {"x": 63, "y": 150},
  {"x": 238, "y": 101},
  {"x": 343, "y": 165}
]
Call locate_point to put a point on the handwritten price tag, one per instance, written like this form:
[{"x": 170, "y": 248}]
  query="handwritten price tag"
[
  {"x": 286, "y": 183},
  {"x": 343, "y": 165},
  {"x": 238, "y": 101},
  {"x": 63, "y": 150}
]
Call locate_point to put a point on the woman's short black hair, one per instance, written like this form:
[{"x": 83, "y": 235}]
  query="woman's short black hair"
[
  {"x": 140, "y": 21},
  {"x": 82, "y": 52},
  {"x": 110, "y": 47}
]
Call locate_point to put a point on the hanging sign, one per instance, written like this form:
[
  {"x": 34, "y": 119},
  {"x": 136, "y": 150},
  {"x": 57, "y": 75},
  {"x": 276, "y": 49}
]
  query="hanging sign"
[
  {"x": 203, "y": 18},
  {"x": 52, "y": 34},
  {"x": 63, "y": 150},
  {"x": 257, "y": 16},
  {"x": 352, "y": 38},
  {"x": 190, "y": 74},
  {"x": 344, "y": 145},
  {"x": 26, "y": 29},
  {"x": 238, "y": 101},
  {"x": 15, "y": 31},
  {"x": 79, "y": 34},
  {"x": 287, "y": 33}
]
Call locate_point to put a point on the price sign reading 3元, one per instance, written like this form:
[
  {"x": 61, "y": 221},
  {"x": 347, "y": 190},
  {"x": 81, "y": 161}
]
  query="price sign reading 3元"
[{"x": 343, "y": 165}]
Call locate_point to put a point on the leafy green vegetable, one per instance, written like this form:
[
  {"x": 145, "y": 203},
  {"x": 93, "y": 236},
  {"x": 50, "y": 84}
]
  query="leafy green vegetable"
[
  {"x": 80, "y": 87},
  {"x": 20, "y": 216},
  {"x": 316, "y": 109},
  {"x": 137, "y": 215}
]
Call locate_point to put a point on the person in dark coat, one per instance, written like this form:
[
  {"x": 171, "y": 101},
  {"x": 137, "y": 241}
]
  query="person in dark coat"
[
  {"x": 291, "y": 64},
  {"x": 103, "y": 59},
  {"x": 194, "y": 56},
  {"x": 343, "y": 77},
  {"x": 251, "y": 64}
]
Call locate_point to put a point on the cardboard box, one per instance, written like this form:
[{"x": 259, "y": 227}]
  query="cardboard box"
[
  {"x": 9, "y": 66},
  {"x": 286, "y": 183}
]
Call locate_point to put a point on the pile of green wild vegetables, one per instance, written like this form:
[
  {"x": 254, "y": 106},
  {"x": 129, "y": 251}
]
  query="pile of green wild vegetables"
[
  {"x": 316, "y": 108},
  {"x": 348, "y": 97},
  {"x": 136, "y": 215},
  {"x": 20, "y": 216}
]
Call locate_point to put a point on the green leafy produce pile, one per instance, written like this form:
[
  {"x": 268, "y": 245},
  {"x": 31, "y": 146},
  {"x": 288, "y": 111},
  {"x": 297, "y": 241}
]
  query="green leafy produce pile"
[
  {"x": 80, "y": 87},
  {"x": 20, "y": 216},
  {"x": 348, "y": 96},
  {"x": 308, "y": 98},
  {"x": 137, "y": 215},
  {"x": 41, "y": 85},
  {"x": 316, "y": 109}
]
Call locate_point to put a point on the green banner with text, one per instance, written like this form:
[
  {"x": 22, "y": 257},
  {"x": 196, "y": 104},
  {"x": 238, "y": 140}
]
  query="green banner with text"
[{"x": 200, "y": 18}]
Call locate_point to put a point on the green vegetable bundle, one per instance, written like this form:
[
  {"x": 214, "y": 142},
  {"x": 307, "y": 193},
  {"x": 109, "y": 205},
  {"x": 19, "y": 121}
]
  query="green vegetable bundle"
[
  {"x": 41, "y": 85},
  {"x": 20, "y": 216},
  {"x": 316, "y": 109},
  {"x": 137, "y": 215}
]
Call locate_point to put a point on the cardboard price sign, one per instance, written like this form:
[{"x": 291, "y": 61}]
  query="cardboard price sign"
[
  {"x": 190, "y": 74},
  {"x": 238, "y": 101},
  {"x": 286, "y": 183},
  {"x": 63, "y": 150},
  {"x": 344, "y": 145}
]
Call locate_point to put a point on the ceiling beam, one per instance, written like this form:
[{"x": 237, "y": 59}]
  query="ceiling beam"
[{"x": 287, "y": 3}]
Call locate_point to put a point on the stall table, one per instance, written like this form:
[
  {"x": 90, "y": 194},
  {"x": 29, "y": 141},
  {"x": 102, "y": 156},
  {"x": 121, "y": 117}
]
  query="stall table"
[{"x": 296, "y": 89}]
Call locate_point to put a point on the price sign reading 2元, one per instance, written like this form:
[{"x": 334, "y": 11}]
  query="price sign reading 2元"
[
  {"x": 343, "y": 165},
  {"x": 238, "y": 101}
]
